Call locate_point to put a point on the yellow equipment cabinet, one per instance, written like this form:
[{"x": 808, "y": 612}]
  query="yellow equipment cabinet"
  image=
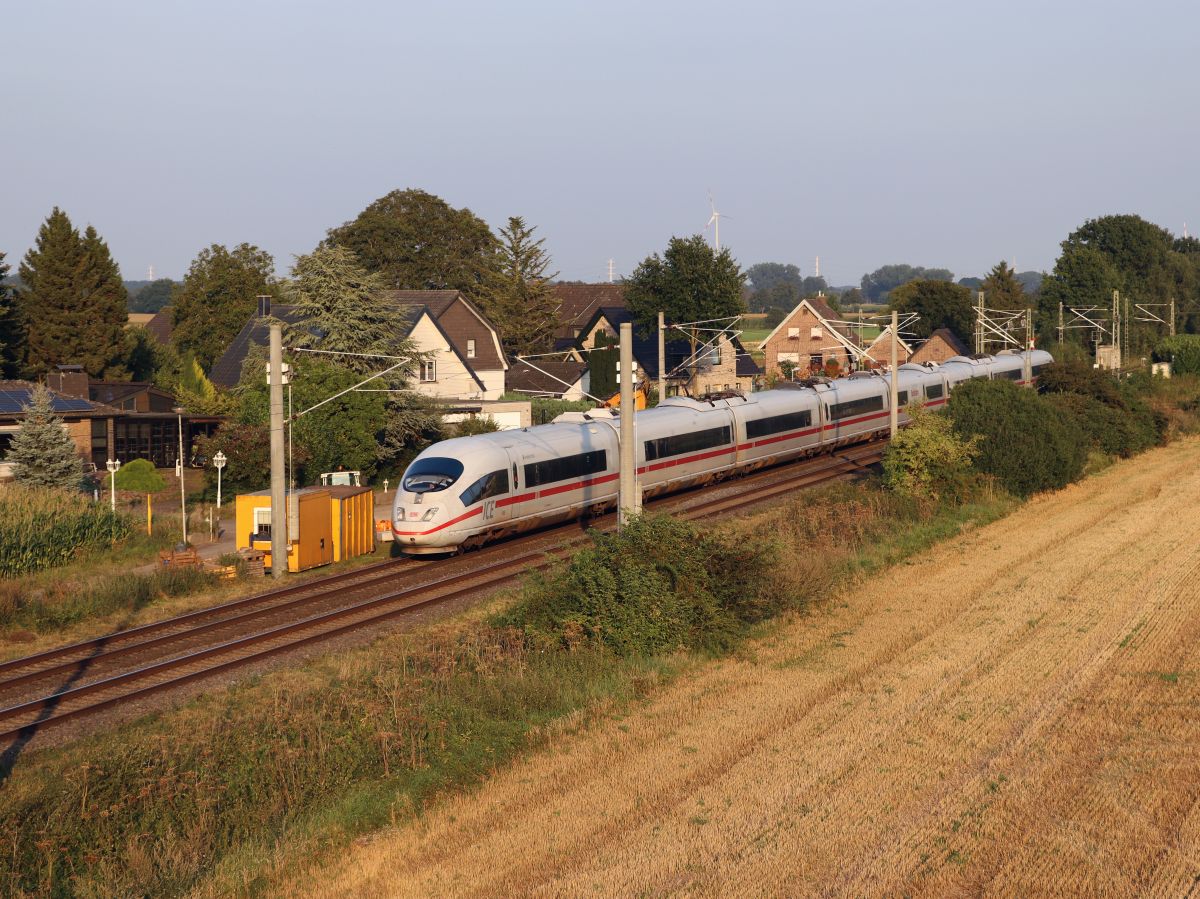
[
  {"x": 311, "y": 547},
  {"x": 352, "y": 514}
]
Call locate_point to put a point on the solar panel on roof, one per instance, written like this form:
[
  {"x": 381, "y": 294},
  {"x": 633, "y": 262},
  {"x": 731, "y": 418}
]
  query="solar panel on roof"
[{"x": 14, "y": 400}]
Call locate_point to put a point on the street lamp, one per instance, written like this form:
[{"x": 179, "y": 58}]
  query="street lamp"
[
  {"x": 219, "y": 461},
  {"x": 178, "y": 410},
  {"x": 113, "y": 466}
]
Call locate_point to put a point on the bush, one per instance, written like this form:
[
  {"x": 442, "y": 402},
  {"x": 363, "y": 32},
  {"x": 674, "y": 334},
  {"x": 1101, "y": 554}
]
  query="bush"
[
  {"x": 927, "y": 460},
  {"x": 1118, "y": 421},
  {"x": 1024, "y": 441},
  {"x": 1107, "y": 428},
  {"x": 41, "y": 528},
  {"x": 1182, "y": 351},
  {"x": 474, "y": 424},
  {"x": 545, "y": 409},
  {"x": 659, "y": 585}
]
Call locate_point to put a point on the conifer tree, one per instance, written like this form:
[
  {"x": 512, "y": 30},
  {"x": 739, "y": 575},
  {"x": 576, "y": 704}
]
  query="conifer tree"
[
  {"x": 344, "y": 309},
  {"x": 519, "y": 299},
  {"x": 105, "y": 311},
  {"x": 11, "y": 339},
  {"x": 1002, "y": 290},
  {"x": 42, "y": 452},
  {"x": 73, "y": 305}
]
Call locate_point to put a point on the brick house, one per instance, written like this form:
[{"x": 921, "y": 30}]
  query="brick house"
[
  {"x": 578, "y": 303},
  {"x": 941, "y": 345},
  {"x": 808, "y": 338},
  {"x": 880, "y": 350}
]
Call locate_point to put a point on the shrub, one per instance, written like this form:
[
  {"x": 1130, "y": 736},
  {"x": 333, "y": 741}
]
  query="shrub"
[
  {"x": 1107, "y": 428},
  {"x": 1024, "y": 441},
  {"x": 42, "y": 527},
  {"x": 1119, "y": 422},
  {"x": 927, "y": 460},
  {"x": 1079, "y": 377},
  {"x": 1182, "y": 351},
  {"x": 474, "y": 424},
  {"x": 659, "y": 585}
]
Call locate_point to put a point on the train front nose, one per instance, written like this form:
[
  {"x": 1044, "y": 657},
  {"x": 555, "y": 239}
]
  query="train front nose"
[{"x": 413, "y": 522}]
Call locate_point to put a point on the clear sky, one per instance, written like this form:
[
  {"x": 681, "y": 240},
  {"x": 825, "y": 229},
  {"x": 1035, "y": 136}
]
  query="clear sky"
[{"x": 934, "y": 133}]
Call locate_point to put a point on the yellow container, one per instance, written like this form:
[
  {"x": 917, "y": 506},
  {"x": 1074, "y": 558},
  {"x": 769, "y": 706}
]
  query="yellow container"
[
  {"x": 352, "y": 514},
  {"x": 310, "y": 547}
]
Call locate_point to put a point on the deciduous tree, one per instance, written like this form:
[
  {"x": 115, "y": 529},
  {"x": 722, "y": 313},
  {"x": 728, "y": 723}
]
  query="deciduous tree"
[
  {"x": 417, "y": 241},
  {"x": 140, "y": 476},
  {"x": 42, "y": 452},
  {"x": 939, "y": 304},
  {"x": 518, "y": 298},
  {"x": 689, "y": 282},
  {"x": 217, "y": 297},
  {"x": 879, "y": 283}
]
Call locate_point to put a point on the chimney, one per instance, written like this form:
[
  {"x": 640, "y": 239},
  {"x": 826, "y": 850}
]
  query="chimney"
[
  {"x": 264, "y": 305},
  {"x": 69, "y": 380}
]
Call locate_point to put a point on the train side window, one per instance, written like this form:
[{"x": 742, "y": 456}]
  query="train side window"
[
  {"x": 776, "y": 424},
  {"x": 565, "y": 468},
  {"x": 933, "y": 392},
  {"x": 850, "y": 408},
  {"x": 1013, "y": 375},
  {"x": 678, "y": 444},
  {"x": 486, "y": 487},
  {"x": 1037, "y": 369},
  {"x": 901, "y": 399}
]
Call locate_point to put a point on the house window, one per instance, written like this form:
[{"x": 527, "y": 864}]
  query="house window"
[
  {"x": 793, "y": 333},
  {"x": 262, "y": 521},
  {"x": 470, "y": 348},
  {"x": 429, "y": 371},
  {"x": 816, "y": 333}
]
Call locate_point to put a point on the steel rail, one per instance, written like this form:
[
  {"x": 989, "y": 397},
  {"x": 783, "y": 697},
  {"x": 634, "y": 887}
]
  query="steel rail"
[{"x": 833, "y": 467}]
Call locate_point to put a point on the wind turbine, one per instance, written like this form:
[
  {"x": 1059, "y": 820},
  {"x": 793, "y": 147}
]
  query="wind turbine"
[{"x": 715, "y": 221}]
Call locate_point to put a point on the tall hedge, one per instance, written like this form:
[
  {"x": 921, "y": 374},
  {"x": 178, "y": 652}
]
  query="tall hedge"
[
  {"x": 1182, "y": 351},
  {"x": 1112, "y": 413},
  {"x": 1025, "y": 442}
]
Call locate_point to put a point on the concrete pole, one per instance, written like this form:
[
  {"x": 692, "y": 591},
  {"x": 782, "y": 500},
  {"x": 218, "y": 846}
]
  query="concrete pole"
[
  {"x": 979, "y": 324},
  {"x": 279, "y": 515},
  {"x": 662, "y": 357},
  {"x": 1061, "y": 329},
  {"x": 1028, "y": 373},
  {"x": 629, "y": 496},
  {"x": 1171, "y": 324},
  {"x": 895, "y": 416},
  {"x": 182, "y": 484}
]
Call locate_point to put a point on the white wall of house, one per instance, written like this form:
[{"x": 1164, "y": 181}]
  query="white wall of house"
[
  {"x": 494, "y": 382},
  {"x": 508, "y": 415},
  {"x": 451, "y": 378}
]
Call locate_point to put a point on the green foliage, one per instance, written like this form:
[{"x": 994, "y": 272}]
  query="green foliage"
[
  {"x": 217, "y": 296},
  {"x": 1024, "y": 441},
  {"x": 518, "y": 297},
  {"x": 43, "y": 528},
  {"x": 1182, "y": 351},
  {"x": 779, "y": 285},
  {"x": 939, "y": 303},
  {"x": 602, "y": 368},
  {"x": 1116, "y": 419},
  {"x": 877, "y": 285},
  {"x": 140, "y": 476},
  {"x": 42, "y": 452},
  {"x": 659, "y": 585},
  {"x": 247, "y": 446},
  {"x": 475, "y": 424},
  {"x": 775, "y": 317},
  {"x": 417, "y": 241},
  {"x": 152, "y": 296},
  {"x": 12, "y": 334},
  {"x": 122, "y": 593},
  {"x": 689, "y": 282},
  {"x": 1002, "y": 290},
  {"x": 344, "y": 311},
  {"x": 927, "y": 460},
  {"x": 544, "y": 410},
  {"x": 73, "y": 305}
]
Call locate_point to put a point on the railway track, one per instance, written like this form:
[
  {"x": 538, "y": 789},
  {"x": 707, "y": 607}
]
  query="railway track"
[{"x": 83, "y": 679}]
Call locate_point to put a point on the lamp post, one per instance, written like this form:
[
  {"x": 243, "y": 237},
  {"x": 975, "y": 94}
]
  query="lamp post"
[
  {"x": 219, "y": 461},
  {"x": 178, "y": 410},
  {"x": 113, "y": 466}
]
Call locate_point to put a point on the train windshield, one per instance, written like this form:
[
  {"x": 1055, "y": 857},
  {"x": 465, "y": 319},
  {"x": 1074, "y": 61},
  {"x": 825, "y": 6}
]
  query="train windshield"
[{"x": 432, "y": 474}]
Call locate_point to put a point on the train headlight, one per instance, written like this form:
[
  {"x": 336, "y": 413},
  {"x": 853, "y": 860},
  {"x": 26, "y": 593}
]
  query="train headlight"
[
  {"x": 429, "y": 515},
  {"x": 398, "y": 515}
]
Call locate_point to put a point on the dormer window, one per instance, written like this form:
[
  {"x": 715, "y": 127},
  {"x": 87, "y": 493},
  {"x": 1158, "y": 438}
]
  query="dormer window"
[{"x": 470, "y": 348}]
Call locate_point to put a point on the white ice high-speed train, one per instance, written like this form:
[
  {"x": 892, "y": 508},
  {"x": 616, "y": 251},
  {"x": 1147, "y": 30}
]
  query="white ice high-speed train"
[{"x": 463, "y": 492}]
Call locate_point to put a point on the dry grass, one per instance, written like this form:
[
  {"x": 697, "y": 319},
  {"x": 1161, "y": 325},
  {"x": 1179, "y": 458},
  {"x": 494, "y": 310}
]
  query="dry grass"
[{"x": 1014, "y": 713}]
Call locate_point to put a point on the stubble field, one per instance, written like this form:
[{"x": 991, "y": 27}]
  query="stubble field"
[{"x": 1016, "y": 712}]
